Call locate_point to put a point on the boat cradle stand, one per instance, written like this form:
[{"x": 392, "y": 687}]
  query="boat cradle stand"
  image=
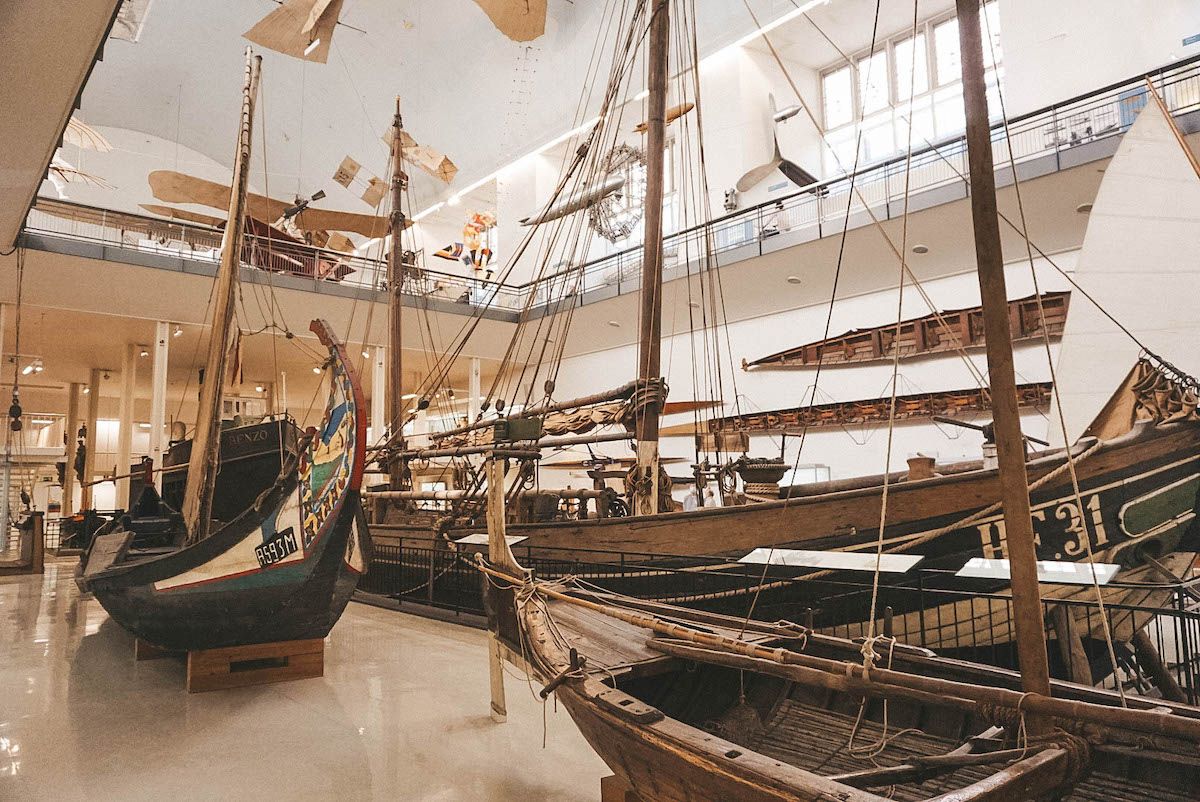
[
  {"x": 615, "y": 789},
  {"x": 239, "y": 666}
]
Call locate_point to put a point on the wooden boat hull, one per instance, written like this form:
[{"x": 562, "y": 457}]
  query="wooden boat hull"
[
  {"x": 1140, "y": 494},
  {"x": 176, "y": 603},
  {"x": 282, "y": 570},
  {"x": 1120, "y": 472}
]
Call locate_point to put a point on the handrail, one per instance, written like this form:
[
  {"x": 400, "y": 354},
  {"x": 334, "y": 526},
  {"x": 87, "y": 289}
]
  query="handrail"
[{"x": 1051, "y": 130}]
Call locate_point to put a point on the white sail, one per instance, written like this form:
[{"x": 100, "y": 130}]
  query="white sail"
[{"x": 1141, "y": 262}]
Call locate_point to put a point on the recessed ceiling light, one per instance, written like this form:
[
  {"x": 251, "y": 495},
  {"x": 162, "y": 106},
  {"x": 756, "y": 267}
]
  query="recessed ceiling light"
[
  {"x": 1083, "y": 208},
  {"x": 694, "y": 304},
  {"x": 793, "y": 279},
  {"x": 142, "y": 351},
  {"x": 920, "y": 249},
  {"x": 258, "y": 388},
  {"x": 614, "y": 324},
  {"x": 177, "y": 332},
  {"x": 87, "y": 390},
  {"x": 317, "y": 371},
  {"x": 366, "y": 355}
]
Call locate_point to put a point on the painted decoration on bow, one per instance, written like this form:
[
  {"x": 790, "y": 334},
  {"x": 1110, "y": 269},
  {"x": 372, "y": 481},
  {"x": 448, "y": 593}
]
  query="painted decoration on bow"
[{"x": 326, "y": 465}]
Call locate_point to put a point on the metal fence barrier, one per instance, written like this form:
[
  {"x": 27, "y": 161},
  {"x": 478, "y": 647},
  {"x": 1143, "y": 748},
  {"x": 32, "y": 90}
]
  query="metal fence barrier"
[{"x": 921, "y": 608}]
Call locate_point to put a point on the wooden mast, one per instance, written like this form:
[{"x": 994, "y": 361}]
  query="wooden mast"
[
  {"x": 395, "y": 404},
  {"x": 650, "y": 333},
  {"x": 206, "y": 441},
  {"x": 1010, "y": 446}
]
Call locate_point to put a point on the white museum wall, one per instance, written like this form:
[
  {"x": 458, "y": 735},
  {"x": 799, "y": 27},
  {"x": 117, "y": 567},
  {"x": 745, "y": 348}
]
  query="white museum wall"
[{"x": 1054, "y": 51}]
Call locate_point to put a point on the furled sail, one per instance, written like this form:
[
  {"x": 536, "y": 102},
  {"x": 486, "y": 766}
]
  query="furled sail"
[{"x": 1140, "y": 263}]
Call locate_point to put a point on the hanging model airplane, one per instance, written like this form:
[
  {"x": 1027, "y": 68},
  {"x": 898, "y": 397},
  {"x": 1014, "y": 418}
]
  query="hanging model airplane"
[
  {"x": 577, "y": 202},
  {"x": 794, "y": 172},
  {"x": 300, "y": 28},
  {"x": 672, "y": 114},
  {"x": 173, "y": 187}
]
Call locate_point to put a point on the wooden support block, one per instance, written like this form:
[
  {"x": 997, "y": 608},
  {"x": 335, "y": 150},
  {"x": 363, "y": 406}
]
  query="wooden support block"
[
  {"x": 257, "y": 664},
  {"x": 615, "y": 789},
  {"x": 147, "y": 651}
]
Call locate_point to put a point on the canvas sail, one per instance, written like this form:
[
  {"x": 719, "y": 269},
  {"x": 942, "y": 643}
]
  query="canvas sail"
[{"x": 1141, "y": 262}]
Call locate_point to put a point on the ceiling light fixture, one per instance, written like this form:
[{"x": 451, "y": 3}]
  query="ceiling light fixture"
[
  {"x": 317, "y": 371},
  {"x": 694, "y": 304},
  {"x": 177, "y": 332},
  {"x": 41, "y": 421},
  {"x": 1084, "y": 208},
  {"x": 258, "y": 388},
  {"x": 144, "y": 425},
  {"x": 793, "y": 279},
  {"x": 312, "y": 45},
  {"x": 142, "y": 351},
  {"x": 87, "y": 390},
  {"x": 920, "y": 249},
  {"x": 407, "y": 396},
  {"x": 614, "y": 324},
  {"x": 453, "y": 200},
  {"x": 366, "y": 355}
]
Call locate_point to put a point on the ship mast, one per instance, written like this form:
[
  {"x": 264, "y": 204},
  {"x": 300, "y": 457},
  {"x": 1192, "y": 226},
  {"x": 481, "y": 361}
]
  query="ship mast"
[
  {"x": 650, "y": 317},
  {"x": 395, "y": 404},
  {"x": 206, "y": 441},
  {"x": 1010, "y": 446}
]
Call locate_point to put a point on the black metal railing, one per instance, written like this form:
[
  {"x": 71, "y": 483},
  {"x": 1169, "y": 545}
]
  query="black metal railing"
[{"x": 927, "y": 608}]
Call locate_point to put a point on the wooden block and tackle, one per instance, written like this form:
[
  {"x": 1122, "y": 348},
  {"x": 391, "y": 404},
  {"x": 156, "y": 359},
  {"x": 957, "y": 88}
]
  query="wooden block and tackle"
[{"x": 257, "y": 664}]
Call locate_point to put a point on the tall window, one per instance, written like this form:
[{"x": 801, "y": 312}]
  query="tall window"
[
  {"x": 838, "y": 94},
  {"x": 869, "y": 98}
]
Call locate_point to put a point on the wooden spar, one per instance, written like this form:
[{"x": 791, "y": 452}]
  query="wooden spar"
[
  {"x": 1010, "y": 446},
  {"x": 650, "y": 328},
  {"x": 620, "y": 393},
  {"x": 455, "y": 495},
  {"x": 556, "y": 442},
  {"x": 206, "y": 442},
  {"x": 395, "y": 404},
  {"x": 1166, "y": 113}
]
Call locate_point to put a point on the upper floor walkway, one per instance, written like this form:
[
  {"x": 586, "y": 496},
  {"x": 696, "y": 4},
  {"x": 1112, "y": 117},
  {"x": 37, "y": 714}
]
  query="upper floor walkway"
[{"x": 1059, "y": 137}]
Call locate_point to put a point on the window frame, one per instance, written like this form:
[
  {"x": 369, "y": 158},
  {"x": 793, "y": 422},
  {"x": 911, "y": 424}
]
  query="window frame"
[{"x": 888, "y": 44}]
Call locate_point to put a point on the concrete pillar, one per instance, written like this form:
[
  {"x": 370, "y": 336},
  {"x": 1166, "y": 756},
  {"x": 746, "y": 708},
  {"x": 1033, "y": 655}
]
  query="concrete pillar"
[
  {"x": 473, "y": 391},
  {"x": 89, "y": 463},
  {"x": 158, "y": 397},
  {"x": 129, "y": 361},
  {"x": 379, "y": 421},
  {"x": 71, "y": 441}
]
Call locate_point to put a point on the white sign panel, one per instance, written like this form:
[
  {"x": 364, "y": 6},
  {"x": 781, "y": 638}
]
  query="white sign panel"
[
  {"x": 1048, "y": 571},
  {"x": 481, "y": 539},
  {"x": 838, "y": 560}
]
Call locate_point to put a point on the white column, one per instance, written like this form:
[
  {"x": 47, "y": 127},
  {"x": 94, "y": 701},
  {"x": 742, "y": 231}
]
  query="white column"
[
  {"x": 93, "y": 437},
  {"x": 71, "y": 441},
  {"x": 129, "y": 361},
  {"x": 158, "y": 398},
  {"x": 473, "y": 391},
  {"x": 379, "y": 422}
]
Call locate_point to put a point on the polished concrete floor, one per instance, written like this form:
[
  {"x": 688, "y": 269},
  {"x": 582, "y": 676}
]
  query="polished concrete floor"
[{"x": 401, "y": 714}]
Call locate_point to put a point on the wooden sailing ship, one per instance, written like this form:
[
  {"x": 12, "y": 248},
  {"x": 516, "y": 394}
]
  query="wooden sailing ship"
[
  {"x": 684, "y": 705},
  {"x": 1137, "y": 467},
  {"x": 281, "y": 570}
]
